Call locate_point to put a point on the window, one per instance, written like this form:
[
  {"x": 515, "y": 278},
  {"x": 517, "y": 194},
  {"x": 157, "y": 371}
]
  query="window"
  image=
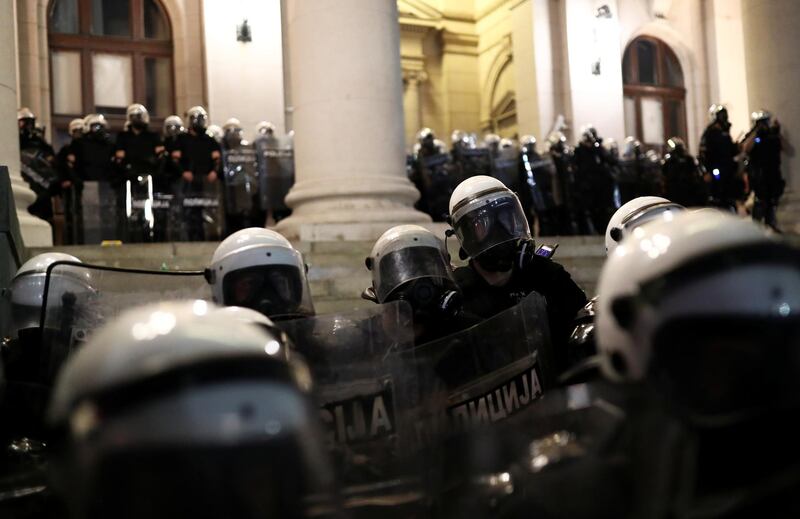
[
  {"x": 655, "y": 97},
  {"x": 107, "y": 54}
]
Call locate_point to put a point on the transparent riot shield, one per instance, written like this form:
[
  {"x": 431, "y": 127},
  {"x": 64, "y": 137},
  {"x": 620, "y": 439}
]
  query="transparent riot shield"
[
  {"x": 202, "y": 215},
  {"x": 241, "y": 187},
  {"x": 506, "y": 168},
  {"x": 139, "y": 216},
  {"x": 275, "y": 172},
  {"x": 368, "y": 397},
  {"x": 540, "y": 186},
  {"x": 79, "y": 298},
  {"x": 485, "y": 374},
  {"x": 101, "y": 207}
]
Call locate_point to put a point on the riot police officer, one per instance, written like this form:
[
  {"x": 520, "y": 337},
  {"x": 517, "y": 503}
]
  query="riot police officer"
[
  {"x": 258, "y": 268},
  {"x": 563, "y": 158},
  {"x": 594, "y": 183},
  {"x": 95, "y": 163},
  {"x": 71, "y": 185},
  {"x": 138, "y": 148},
  {"x": 242, "y": 206},
  {"x": 503, "y": 267},
  {"x": 30, "y": 137},
  {"x": 637, "y": 212},
  {"x": 409, "y": 263},
  {"x": 265, "y": 129},
  {"x": 704, "y": 311},
  {"x": 539, "y": 189},
  {"x": 221, "y": 426},
  {"x": 200, "y": 162},
  {"x": 683, "y": 180},
  {"x": 718, "y": 156},
  {"x": 763, "y": 148},
  {"x": 431, "y": 175}
]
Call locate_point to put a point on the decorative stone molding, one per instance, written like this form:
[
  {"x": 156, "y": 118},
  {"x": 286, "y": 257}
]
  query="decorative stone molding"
[
  {"x": 414, "y": 75},
  {"x": 459, "y": 43}
]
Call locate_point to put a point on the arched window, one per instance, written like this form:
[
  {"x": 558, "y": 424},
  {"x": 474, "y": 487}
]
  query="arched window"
[
  {"x": 107, "y": 54},
  {"x": 655, "y": 97}
]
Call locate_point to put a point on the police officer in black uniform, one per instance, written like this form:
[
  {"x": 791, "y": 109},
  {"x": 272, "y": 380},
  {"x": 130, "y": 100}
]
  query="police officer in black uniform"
[
  {"x": 42, "y": 179},
  {"x": 763, "y": 148},
  {"x": 503, "y": 266},
  {"x": 70, "y": 183},
  {"x": 137, "y": 153},
  {"x": 138, "y": 148},
  {"x": 683, "y": 179},
  {"x": 200, "y": 161},
  {"x": 594, "y": 183},
  {"x": 718, "y": 156},
  {"x": 563, "y": 158},
  {"x": 94, "y": 155}
]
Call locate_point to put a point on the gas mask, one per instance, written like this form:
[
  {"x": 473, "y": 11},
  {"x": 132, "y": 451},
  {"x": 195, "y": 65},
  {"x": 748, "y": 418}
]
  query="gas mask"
[{"x": 430, "y": 297}]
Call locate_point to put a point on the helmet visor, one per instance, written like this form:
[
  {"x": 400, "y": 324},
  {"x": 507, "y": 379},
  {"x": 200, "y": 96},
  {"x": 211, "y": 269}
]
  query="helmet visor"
[
  {"x": 490, "y": 221},
  {"x": 718, "y": 367},
  {"x": 277, "y": 291},
  {"x": 401, "y": 266}
]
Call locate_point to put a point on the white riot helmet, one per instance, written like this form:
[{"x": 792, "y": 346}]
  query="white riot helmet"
[
  {"x": 707, "y": 307},
  {"x": 636, "y": 212},
  {"x": 528, "y": 143},
  {"x": 506, "y": 143},
  {"x": 760, "y": 116},
  {"x": 137, "y": 114},
  {"x": 265, "y": 128},
  {"x": 244, "y": 315},
  {"x": 440, "y": 146},
  {"x": 232, "y": 124},
  {"x": 75, "y": 126},
  {"x": 215, "y": 132},
  {"x": 93, "y": 123},
  {"x": 491, "y": 141},
  {"x": 408, "y": 262},
  {"x": 173, "y": 126},
  {"x": 168, "y": 391},
  {"x": 485, "y": 214},
  {"x": 28, "y": 285},
  {"x": 258, "y": 268},
  {"x": 25, "y": 113},
  {"x": 197, "y": 118}
]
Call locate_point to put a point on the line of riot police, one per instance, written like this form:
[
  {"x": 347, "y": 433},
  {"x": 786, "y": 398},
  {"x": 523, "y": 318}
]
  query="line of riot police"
[
  {"x": 184, "y": 184},
  {"x": 567, "y": 190}
]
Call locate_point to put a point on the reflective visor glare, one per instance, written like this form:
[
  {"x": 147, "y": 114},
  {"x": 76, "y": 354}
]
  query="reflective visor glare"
[{"x": 490, "y": 223}]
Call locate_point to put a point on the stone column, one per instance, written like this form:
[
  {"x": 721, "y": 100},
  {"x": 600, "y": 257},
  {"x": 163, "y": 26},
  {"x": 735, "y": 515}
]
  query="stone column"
[
  {"x": 411, "y": 102},
  {"x": 34, "y": 79},
  {"x": 35, "y": 232},
  {"x": 347, "y": 93}
]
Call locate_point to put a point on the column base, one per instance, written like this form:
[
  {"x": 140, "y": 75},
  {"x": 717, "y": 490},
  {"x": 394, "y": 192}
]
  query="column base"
[{"x": 381, "y": 200}]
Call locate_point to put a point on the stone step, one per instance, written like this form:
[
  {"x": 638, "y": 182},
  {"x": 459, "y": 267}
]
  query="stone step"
[{"x": 337, "y": 274}]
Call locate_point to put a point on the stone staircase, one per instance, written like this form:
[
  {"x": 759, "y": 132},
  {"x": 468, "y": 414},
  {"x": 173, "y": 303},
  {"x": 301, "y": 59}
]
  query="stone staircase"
[{"x": 335, "y": 255}]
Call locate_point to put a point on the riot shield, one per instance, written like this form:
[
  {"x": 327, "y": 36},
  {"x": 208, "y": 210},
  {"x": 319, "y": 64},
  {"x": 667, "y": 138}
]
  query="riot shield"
[
  {"x": 139, "y": 214},
  {"x": 202, "y": 214},
  {"x": 240, "y": 170},
  {"x": 368, "y": 397},
  {"x": 505, "y": 168},
  {"x": 275, "y": 172},
  {"x": 473, "y": 161},
  {"x": 79, "y": 298},
  {"x": 37, "y": 171},
  {"x": 101, "y": 208},
  {"x": 484, "y": 374},
  {"x": 437, "y": 184}
]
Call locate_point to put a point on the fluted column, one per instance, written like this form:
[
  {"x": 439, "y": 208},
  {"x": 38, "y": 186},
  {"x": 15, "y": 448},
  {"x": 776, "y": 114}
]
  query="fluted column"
[
  {"x": 347, "y": 93},
  {"x": 35, "y": 232}
]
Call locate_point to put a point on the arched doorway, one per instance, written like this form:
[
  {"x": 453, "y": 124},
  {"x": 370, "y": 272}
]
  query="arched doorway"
[
  {"x": 655, "y": 95},
  {"x": 105, "y": 55}
]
